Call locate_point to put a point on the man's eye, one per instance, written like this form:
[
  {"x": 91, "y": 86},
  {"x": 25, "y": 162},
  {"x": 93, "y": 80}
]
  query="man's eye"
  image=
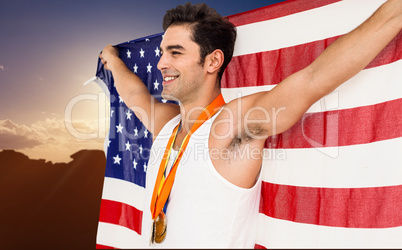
[{"x": 175, "y": 53}]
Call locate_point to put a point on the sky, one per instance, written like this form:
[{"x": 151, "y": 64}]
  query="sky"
[{"x": 48, "y": 49}]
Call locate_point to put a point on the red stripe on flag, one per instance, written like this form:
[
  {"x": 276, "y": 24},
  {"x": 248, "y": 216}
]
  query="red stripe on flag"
[
  {"x": 276, "y": 10},
  {"x": 256, "y": 246},
  {"x": 391, "y": 53},
  {"x": 272, "y": 67},
  {"x": 98, "y": 246},
  {"x": 121, "y": 214},
  {"x": 343, "y": 127},
  {"x": 377, "y": 207}
]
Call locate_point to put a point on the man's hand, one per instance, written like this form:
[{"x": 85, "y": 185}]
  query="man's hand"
[{"x": 108, "y": 53}]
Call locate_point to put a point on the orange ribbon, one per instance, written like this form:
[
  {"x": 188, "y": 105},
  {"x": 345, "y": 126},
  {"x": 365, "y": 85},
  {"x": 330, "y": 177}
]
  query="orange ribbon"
[{"x": 163, "y": 187}]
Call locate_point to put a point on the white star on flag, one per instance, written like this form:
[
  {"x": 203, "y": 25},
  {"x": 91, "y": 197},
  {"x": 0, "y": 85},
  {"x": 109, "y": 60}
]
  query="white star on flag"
[
  {"x": 135, "y": 131},
  {"x": 128, "y": 53},
  {"x": 120, "y": 99},
  {"x": 128, "y": 115},
  {"x": 149, "y": 67},
  {"x": 142, "y": 53},
  {"x": 135, "y": 68},
  {"x": 135, "y": 164},
  {"x": 141, "y": 148},
  {"x": 119, "y": 128},
  {"x": 145, "y": 167},
  {"x": 128, "y": 145},
  {"x": 117, "y": 159},
  {"x": 157, "y": 52},
  {"x": 156, "y": 84},
  {"x": 146, "y": 133}
]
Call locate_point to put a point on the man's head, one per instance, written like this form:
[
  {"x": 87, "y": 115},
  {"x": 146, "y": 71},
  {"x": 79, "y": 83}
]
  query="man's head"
[{"x": 209, "y": 30}]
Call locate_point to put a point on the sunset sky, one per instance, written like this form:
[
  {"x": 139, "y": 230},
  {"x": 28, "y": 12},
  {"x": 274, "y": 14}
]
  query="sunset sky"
[{"x": 48, "y": 49}]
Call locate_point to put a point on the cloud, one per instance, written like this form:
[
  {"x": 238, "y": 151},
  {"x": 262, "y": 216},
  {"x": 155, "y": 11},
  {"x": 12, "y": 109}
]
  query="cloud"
[
  {"x": 16, "y": 141},
  {"x": 14, "y": 136},
  {"x": 49, "y": 139}
]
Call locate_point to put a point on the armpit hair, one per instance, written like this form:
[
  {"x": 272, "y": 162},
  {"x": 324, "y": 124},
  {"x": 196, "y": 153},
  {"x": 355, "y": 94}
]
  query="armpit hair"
[{"x": 248, "y": 134}]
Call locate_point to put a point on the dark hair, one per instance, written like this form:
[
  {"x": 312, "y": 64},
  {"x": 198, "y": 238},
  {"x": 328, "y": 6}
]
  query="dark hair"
[{"x": 209, "y": 30}]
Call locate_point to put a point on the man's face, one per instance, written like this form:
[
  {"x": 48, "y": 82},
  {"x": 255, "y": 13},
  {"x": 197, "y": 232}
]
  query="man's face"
[{"x": 179, "y": 64}]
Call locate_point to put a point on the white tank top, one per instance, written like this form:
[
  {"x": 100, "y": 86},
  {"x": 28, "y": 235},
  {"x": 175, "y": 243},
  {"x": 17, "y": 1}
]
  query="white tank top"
[{"x": 204, "y": 209}]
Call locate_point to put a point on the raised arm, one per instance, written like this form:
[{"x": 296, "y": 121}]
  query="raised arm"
[
  {"x": 339, "y": 62},
  {"x": 135, "y": 94}
]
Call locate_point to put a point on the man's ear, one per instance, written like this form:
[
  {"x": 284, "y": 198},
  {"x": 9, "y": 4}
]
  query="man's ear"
[{"x": 214, "y": 61}]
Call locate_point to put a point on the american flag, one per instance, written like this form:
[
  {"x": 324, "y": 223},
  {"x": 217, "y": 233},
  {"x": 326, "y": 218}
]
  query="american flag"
[{"x": 334, "y": 180}]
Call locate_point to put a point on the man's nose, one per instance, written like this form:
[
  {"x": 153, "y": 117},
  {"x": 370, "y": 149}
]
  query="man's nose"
[{"x": 162, "y": 64}]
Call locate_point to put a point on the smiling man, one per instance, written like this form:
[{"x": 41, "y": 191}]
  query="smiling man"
[{"x": 211, "y": 199}]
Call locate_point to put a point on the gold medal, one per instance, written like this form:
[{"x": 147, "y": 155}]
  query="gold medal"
[{"x": 160, "y": 228}]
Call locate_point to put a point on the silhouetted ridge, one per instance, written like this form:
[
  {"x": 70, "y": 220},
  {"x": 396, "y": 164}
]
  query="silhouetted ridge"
[{"x": 50, "y": 205}]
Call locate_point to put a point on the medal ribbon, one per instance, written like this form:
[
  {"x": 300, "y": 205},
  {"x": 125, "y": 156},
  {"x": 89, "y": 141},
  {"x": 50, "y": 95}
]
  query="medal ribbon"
[{"x": 164, "y": 186}]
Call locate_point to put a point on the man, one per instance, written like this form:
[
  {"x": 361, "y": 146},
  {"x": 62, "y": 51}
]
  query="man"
[{"x": 214, "y": 199}]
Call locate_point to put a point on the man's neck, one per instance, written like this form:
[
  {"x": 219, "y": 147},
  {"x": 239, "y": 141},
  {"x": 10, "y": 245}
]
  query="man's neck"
[{"x": 191, "y": 111}]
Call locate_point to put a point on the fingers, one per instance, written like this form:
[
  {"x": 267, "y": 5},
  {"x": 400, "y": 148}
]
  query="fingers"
[
  {"x": 101, "y": 56},
  {"x": 103, "y": 61},
  {"x": 108, "y": 52}
]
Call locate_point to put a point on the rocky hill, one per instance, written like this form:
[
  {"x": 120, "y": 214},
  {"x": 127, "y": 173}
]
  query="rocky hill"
[{"x": 50, "y": 206}]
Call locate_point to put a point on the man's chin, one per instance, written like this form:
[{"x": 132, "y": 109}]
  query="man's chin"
[{"x": 169, "y": 97}]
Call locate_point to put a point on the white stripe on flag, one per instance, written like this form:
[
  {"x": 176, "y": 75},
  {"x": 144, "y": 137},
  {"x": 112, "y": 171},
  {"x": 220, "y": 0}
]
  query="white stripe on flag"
[
  {"x": 122, "y": 236},
  {"x": 367, "y": 85},
  {"x": 336, "y": 167},
  {"x": 276, "y": 233},
  {"x": 303, "y": 27},
  {"x": 124, "y": 192}
]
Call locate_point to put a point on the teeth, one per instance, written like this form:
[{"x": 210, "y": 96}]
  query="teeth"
[{"x": 169, "y": 78}]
